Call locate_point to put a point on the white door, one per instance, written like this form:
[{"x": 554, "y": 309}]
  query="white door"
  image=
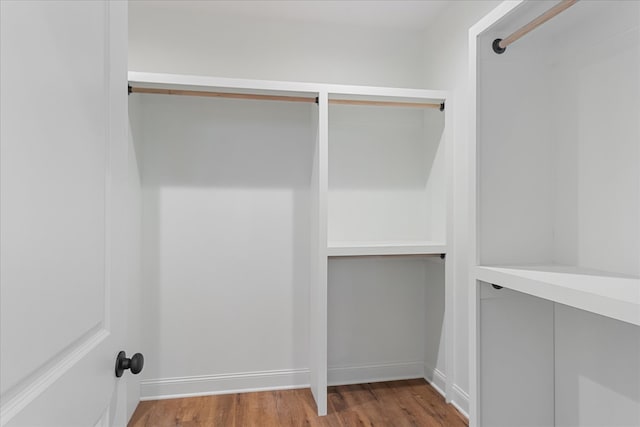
[{"x": 62, "y": 167}]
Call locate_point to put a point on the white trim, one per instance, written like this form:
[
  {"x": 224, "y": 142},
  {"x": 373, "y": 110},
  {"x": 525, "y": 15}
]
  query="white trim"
[
  {"x": 53, "y": 371},
  {"x": 499, "y": 12},
  {"x": 474, "y": 409},
  {"x": 437, "y": 379},
  {"x": 207, "y": 385},
  {"x": 450, "y": 278},
  {"x": 460, "y": 400},
  {"x": 341, "y": 375},
  {"x": 318, "y": 301},
  {"x": 112, "y": 103}
]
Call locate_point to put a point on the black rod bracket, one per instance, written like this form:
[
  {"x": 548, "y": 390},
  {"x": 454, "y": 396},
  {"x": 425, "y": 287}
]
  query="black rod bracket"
[
  {"x": 442, "y": 106},
  {"x": 498, "y": 287},
  {"x": 129, "y": 90},
  {"x": 496, "y": 47}
]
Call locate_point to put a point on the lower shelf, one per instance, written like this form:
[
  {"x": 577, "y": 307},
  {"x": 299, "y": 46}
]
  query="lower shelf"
[
  {"x": 607, "y": 294},
  {"x": 385, "y": 248}
]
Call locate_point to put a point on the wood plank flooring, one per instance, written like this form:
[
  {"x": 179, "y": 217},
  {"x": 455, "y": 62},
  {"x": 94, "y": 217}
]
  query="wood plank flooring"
[{"x": 386, "y": 404}]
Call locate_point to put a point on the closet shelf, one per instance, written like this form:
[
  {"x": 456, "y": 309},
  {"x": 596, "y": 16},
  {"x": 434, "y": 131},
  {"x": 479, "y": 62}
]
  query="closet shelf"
[
  {"x": 606, "y": 294},
  {"x": 336, "y": 249},
  {"x": 339, "y": 93}
]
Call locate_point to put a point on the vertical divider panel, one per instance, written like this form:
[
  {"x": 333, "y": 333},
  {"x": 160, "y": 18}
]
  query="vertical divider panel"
[
  {"x": 475, "y": 407},
  {"x": 449, "y": 267},
  {"x": 318, "y": 294},
  {"x": 474, "y": 323}
]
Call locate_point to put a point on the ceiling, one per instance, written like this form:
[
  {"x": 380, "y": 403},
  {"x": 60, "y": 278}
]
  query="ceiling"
[{"x": 408, "y": 15}]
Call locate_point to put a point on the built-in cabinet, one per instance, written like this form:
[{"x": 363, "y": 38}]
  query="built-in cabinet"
[
  {"x": 555, "y": 277},
  {"x": 304, "y": 193}
]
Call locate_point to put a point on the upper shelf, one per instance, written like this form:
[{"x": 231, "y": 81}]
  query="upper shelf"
[
  {"x": 607, "y": 294},
  {"x": 269, "y": 87},
  {"x": 336, "y": 249}
]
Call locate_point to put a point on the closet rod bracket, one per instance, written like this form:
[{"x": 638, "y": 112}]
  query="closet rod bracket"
[
  {"x": 129, "y": 90},
  {"x": 498, "y": 287},
  {"x": 442, "y": 106},
  {"x": 496, "y": 47}
]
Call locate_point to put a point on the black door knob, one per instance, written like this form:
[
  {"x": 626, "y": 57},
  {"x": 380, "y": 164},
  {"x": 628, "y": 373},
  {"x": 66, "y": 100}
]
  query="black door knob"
[{"x": 136, "y": 363}]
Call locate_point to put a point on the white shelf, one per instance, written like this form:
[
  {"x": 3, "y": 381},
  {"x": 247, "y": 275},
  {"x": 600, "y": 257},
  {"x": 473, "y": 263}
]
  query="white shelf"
[
  {"x": 607, "y": 294},
  {"x": 207, "y": 83},
  {"x": 336, "y": 249}
]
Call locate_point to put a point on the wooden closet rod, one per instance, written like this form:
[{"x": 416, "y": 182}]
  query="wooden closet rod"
[
  {"x": 221, "y": 94},
  {"x": 387, "y": 103},
  {"x": 281, "y": 98},
  {"x": 500, "y": 45}
]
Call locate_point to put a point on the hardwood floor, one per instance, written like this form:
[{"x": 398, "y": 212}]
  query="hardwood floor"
[{"x": 394, "y": 403}]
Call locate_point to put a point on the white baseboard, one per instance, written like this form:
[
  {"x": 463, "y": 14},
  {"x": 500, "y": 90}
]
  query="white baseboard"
[
  {"x": 438, "y": 380},
  {"x": 169, "y": 388},
  {"x": 340, "y": 375},
  {"x": 460, "y": 400}
]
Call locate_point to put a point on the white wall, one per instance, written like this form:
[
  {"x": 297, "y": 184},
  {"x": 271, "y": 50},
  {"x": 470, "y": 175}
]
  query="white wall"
[
  {"x": 368, "y": 340},
  {"x": 384, "y": 167},
  {"x": 445, "y": 66},
  {"x": 225, "y": 244},
  {"x": 596, "y": 204},
  {"x": 163, "y": 38}
]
